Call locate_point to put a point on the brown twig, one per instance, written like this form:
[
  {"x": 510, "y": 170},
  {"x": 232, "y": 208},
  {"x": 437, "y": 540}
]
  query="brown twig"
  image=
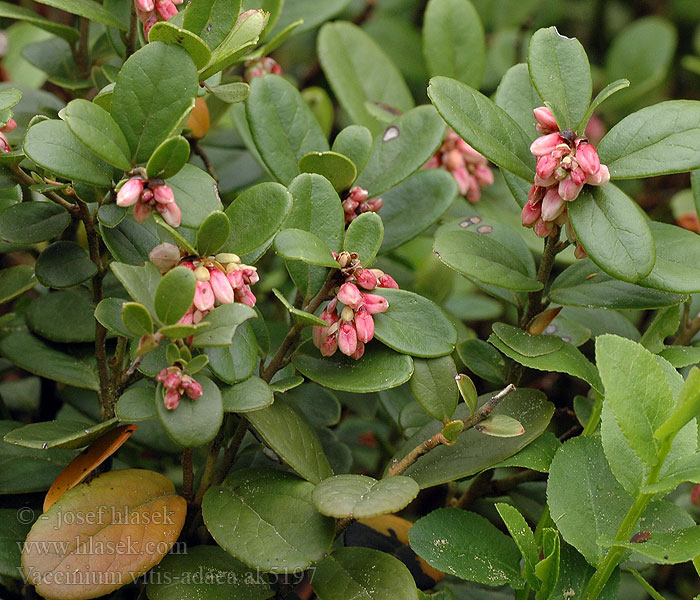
[
  {"x": 231, "y": 451},
  {"x": 187, "y": 475},
  {"x": 209, "y": 466},
  {"x": 689, "y": 327},
  {"x": 28, "y": 181},
  {"x": 199, "y": 151}
]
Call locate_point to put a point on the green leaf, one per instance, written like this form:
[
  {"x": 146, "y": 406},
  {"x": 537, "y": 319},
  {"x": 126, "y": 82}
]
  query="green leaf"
[
  {"x": 300, "y": 316},
  {"x": 168, "y": 158},
  {"x": 207, "y": 573},
  {"x": 224, "y": 321},
  {"x": 482, "y": 359},
  {"x": 461, "y": 533},
  {"x": 473, "y": 452},
  {"x": 363, "y": 574},
  {"x": 130, "y": 242},
  {"x": 681, "y": 356},
  {"x": 361, "y": 497},
  {"x": 405, "y": 213},
  {"x": 292, "y": 439},
  {"x": 401, "y": 149},
  {"x": 681, "y": 545},
  {"x": 32, "y": 222},
  {"x": 194, "y": 422},
  {"x": 664, "y": 324},
  {"x": 11, "y": 11},
  {"x": 561, "y": 75},
  {"x": 544, "y": 353},
  {"x": 453, "y": 41},
  {"x": 9, "y": 97},
  {"x": 137, "y": 319},
  {"x": 231, "y": 93},
  {"x": 150, "y": 108},
  {"x": 136, "y": 404},
  {"x": 174, "y": 295},
  {"x": 433, "y": 385},
  {"x": 358, "y": 71},
  {"x": 47, "y": 316},
  {"x": 537, "y": 455},
  {"x": 265, "y": 518},
  {"x": 643, "y": 52},
  {"x": 51, "y": 145},
  {"x": 318, "y": 405},
  {"x": 211, "y": 20},
  {"x": 317, "y": 209},
  {"x": 282, "y": 126},
  {"x": 485, "y": 126},
  {"x": 337, "y": 168},
  {"x": 256, "y": 215},
  {"x": 364, "y": 236},
  {"x": 109, "y": 313},
  {"x": 14, "y": 281},
  {"x": 213, "y": 233},
  {"x": 355, "y": 142},
  {"x": 172, "y": 34},
  {"x": 64, "y": 264},
  {"x": 196, "y": 193},
  {"x": 379, "y": 369},
  {"x": 296, "y": 244},
  {"x": 414, "y": 325},
  {"x": 524, "y": 539},
  {"x": 636, "y": 390},
  {"x": 613, "y": 232},
  {"x": 602, "y": 96},
  {"x": 500, "y": 426},
  {"x": 517, "y": 96},
  {"x": 95, "y": 128},
  {"x": 88, "y": 9},
  {"x": 237, "y": 361},
  {"x": 687, "y": 407},
  {"x": 482, "y": 257},
  {"x": 655, "y": 140},
  {"x": 677, "y": 265},
  {"x": 57, "y": 434},
  {"x": 14, "y": 532},
  {"x": 140, "y": 282},
  {"x": 251, "y": 394},
  {"x": 584, "y": 284},
  {"x": 547, "y": 570}
]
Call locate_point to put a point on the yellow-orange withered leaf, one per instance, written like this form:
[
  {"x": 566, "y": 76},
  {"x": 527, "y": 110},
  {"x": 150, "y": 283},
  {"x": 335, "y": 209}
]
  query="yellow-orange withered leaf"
[
  {"x": 87, "y": 461},
  {"x": 198, "y": 121},
  {"x": 103, "y": 534}
]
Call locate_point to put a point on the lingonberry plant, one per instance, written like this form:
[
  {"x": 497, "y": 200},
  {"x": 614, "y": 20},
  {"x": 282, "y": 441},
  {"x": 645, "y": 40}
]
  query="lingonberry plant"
[{"x": 272, "y": 325}]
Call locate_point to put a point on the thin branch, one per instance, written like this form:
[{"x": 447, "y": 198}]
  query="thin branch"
[
  {"x": 209, "y": 466},
  {"x": 187, "y": 475},
  {"x": 28, "y": 181},
  {"x": 199, "y": 151},
  {"x": 231, "y": 451}
]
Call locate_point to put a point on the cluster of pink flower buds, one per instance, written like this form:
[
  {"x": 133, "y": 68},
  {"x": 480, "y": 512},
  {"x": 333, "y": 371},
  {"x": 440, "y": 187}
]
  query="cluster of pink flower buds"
[
  {"x": 11, "y": 125},
  {"x": 177, "y": 383},
  {"x": 150, "y": 12},
  {"x": 356, "y": 202},
  {"x": 468, "y": 167},
  {"x": 565, "y": 162},
  {"x": 261, "y": 66},
  {"x": 351, "y": 326},
  {"x": 148, "y": 195}
]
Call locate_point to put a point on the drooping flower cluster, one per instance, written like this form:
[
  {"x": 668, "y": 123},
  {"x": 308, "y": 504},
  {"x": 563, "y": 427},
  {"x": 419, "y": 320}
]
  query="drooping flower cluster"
[
  {"x": 258, "y": 67},
  {"x": 565, "y": 162},
  {"x": 349, "y": 314},
  {"x": 468, "y": 167},
  {"x": 150, "y": 12},
  {"x": 176, "y": 383},
  {"x": 147, "y": 195},
  {"x": 11, "y": 125},
  {"x": 357, "y": 202}
]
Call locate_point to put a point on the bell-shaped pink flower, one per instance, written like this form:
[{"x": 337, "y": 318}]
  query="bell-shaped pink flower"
[
  {"x": 171, "y": 213},
  {"x": 387, "y": 281},
  {"x": 600, "y": 178},
  {"x": 552, "y": 204},
  {"x": 245, "y": 296},
  {"x": 11, "y": 125},
  {"x": 364, "y": 325},
  {"x": 4, "y": 143},
  {"x": 165, "y": 256},
  {"x": 531, "y": 213},
  {"x": 545, "y": 144},
  {"x": 543, "y": 228},
  {"x": 359, "y": 351},
  {"x": 545, "y": 120},
  {"x": 546, "y": 165},
  {"x": 166, "y": 9},
  {"x": 375, "y": 303},
  {"x": 235, "y": 279},
  {"x": 453, "y": 160},
  {"x": 462, "y": 178},
  {"x": 223, "y": 292},
  {"x": 145, "y": 5},
  {"x": 483, "y": 175},
  {"x": 192, "y": 388},
  {"x": 350, "y": 295},
  {"x": 347, "y": 338},
  {"x": 172, "y": 399},
  {"x": 374, "y": 204},
  {"x": 366, "y": 279},
  {"x": 204, "y": 296},
  {"x": 587, "y": 158},
  {"x": 329, "y": 345},
  {"x": 568, "y": 189},
  {"x": 142, "y": 211},
  {"x": 130, "y": 193},
  {"x": 163, "y": 194}
]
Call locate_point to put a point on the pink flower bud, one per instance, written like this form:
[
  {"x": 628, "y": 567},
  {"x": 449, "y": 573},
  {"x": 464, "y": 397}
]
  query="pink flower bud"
[
  {"x": 192, "y": 388},
  {"x": 568, "y": 189},
  {"x": 350, "y": 295},
  {"x": 375, "y": 303},
  {"x": 146, "y": 196},
  {"x": 366, "y": 279},
  {"x": 387, "y": 281},
  {"x": 546, "y": 165},
  {"x": 462, "y": 178},
  {"x": 11, "y": 125},
  {"x": 578, "y": 176},
  {"x": 186, "y": 318},
  {"x": 166, "y": 9},
  {"x": 536, "y": 194},
  {"x": 142, "y": 212},
  {"x": 347, "y": 338},
  {"x": 203, "y": 296},
  {"x": 587, "y": 158},
  {"x": 600, "y": 178},
  {"x": 364, "y": 325},
  {"x": 350, "y": 205},
  {"x": 453, "y": 160},
  {"x": 483, "y": 175},
  {"x": 130, "y": 192},
  {"x": 552, "y": 205},
  {"x": 695, "y": 495},
  {"x": 358, "y": 195},
  {"x": 545, "y": 144},
  {"x": 172, "y": 399},
  {"x": 374, "y": 204},
  {"x": 148, "y": 23},
  {"x": 433, "y": 163},
  {"x": 171, "y": 213},
  {"x": 245, "y": 296},
  {"x": 357, "y": 355},
  {"x": 164, "y": 256},
  {"x": 144, "y": 5},
  {"x": 161, "y": 377},
  {"x": 329, "y": 345},
  {"x": 474, "y": 191},
  {"x": 250, "y": 274},
  {"x": 235, "y": 278},
  {"x": 545, "y": 120},
  {"x": 470, "y": 154},
  {"x": 220, "y": 285},
  {"x": 531, "y": 213},
  {"x": 163, "y": 194},
  {"x": 4, "y": 143},
  {"x": 543, "y": 228}
]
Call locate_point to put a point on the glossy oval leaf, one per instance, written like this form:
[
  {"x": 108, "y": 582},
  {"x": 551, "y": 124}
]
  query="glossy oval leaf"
[
  {"x": 364, "y": 236},
  {"x": 248, "y": 395},
  {"x": 64, "y": 264},
  {"x": 136, "y": 404},
  {"x": 195, "y": 46},
  {"x": 359, "y": 496},
  {"x": 211, "y": 20},
  {"x": 32, "y": 222},
  {"x": 213, "y": 233},
  {"x": 337, "y": 168},
  {"x": 379, "y": 369},
  {"x": 168, "y": 158},
  {"x": 355, "y": 142},
  {"x": 58, "y": 434},
  {"x": 433, "y": 385},
  {"x": 174, "y": 295},
  {"x": 14, "y": 281},
  {"x": 296, "y": 244}
]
